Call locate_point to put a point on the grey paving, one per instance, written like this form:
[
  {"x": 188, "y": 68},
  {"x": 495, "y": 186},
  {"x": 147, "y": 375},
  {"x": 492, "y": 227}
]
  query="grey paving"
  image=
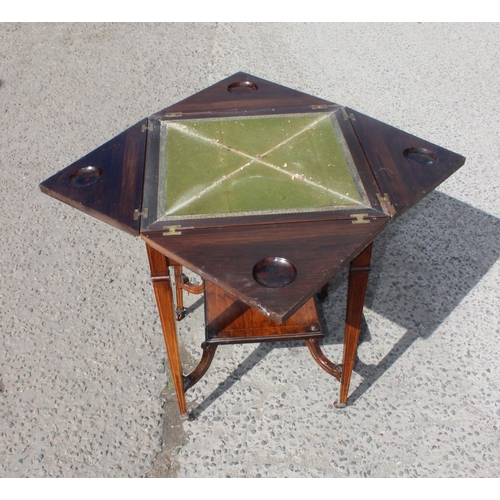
[{"x": 83, "y": 389}]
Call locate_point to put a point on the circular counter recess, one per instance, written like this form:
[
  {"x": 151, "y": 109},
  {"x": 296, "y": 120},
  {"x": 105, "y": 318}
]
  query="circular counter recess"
[
  {"x": 85, "y": 176},
  {"x": 274, "y": 272},
  {"x": 420, "y": 156},
  {"x": 240, "y": 88}
]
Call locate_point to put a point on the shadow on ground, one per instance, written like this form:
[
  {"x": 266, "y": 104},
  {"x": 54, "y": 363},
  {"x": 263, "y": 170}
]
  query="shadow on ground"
[{"x": 423, "y": 266}]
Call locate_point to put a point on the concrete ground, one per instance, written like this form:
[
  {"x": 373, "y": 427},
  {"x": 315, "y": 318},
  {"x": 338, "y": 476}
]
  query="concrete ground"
[{"x": 84, "y": 391}]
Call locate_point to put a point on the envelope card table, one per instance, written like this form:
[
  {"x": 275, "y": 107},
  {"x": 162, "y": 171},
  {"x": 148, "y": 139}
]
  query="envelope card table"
[{"x": 265, "y": 193}]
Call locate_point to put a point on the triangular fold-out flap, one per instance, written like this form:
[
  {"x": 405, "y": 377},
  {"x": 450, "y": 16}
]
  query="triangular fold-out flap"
[
  {"x": 107, "y": 183},
  {"x": 272, "y": 268},
  {"x": 405, "y": 166},
  {"x": 244, "y": 93}
]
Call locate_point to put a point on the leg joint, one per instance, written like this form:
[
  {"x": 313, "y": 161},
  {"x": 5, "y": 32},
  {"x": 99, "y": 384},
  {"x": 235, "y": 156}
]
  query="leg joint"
[{"x": 160, "y": 278}]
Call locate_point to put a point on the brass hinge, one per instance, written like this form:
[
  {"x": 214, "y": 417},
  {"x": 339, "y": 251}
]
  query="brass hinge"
[
  {"x": 147, "y": 127},
  {"x": 386, "y": 204},
  {"x": 138, "y": 213},
  {"x": 358, "y": 219},
  {"x": 348, "y": 116},
  {"x": 172, "y": 230}
]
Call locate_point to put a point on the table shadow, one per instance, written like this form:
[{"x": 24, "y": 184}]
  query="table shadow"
[
  {"x": 423, "y": 265},
  {"x": 192, "y": 308}
]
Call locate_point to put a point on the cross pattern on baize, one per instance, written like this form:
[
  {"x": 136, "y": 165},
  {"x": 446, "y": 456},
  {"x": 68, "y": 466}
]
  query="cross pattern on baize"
[{"x": 256, "y": 164}]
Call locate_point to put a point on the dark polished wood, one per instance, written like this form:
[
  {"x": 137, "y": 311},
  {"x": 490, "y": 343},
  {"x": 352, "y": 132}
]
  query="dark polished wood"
[
  {"x": 230, "y": 321},
  {"x": 265, "y": 220},
  {"x": 405, "y": 181},
  {"x": 318, "y": 250},
  {"x": 116, "y": 194},
  {"x": 246, "y": 299},
  {"x": 270, "y": 97},
  {"x": 358, "y": 280}
]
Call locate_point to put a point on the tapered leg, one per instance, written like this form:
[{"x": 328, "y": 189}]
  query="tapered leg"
[
  {"x": 358, "y": 280},
  {"x": 164, "y": 299}
]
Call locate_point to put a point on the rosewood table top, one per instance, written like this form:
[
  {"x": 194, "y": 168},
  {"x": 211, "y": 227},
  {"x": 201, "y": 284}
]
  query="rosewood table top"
[{"x": 265, "y": 191}]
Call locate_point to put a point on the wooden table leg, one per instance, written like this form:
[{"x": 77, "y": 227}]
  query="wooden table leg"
[
  {"x": 358, "y": 280},
  {"x": 323, "y": 294},
  {"x": 182, "y": 283},
  {"x": 162, "y": 285},
  {"x": 180, "y": 312}
]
